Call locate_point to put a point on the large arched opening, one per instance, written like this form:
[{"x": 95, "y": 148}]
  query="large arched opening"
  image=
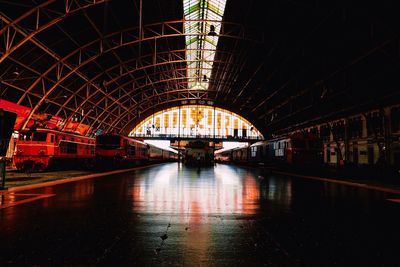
[{"x": 196, "y": 121}]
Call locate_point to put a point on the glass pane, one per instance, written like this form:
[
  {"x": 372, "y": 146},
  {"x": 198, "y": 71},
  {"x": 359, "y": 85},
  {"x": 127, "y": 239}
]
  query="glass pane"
[{"x": 41, "y": 137}]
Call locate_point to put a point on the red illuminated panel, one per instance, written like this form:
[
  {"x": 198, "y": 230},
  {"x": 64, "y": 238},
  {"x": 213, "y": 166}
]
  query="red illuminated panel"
[{"x": 76, "y": 127}]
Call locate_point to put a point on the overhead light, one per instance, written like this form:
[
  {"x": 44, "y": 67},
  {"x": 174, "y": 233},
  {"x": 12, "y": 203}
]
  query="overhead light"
[
  {"x": 16, "y": 72},
  {"x": 212, "y": 31}
]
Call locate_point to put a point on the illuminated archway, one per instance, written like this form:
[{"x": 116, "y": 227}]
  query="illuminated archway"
[{"x": 196, "y": 121}]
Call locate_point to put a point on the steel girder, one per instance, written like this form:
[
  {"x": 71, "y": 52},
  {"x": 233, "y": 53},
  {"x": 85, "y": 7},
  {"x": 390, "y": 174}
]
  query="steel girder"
[
  {"x": 81, "y": 60},
  {"x": 148, "y": 83},
  {"x": 136, "y": 90},
  {"x": 11, "y": 29}
]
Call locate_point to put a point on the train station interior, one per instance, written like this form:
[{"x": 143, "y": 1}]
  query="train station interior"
[{"x": 199, "y": 133}]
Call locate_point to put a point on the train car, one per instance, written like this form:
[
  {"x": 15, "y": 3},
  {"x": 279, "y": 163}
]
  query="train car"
[
  {"x": 260, "y": 152},
  {"x": 42, "y": 149},
  {"x": 160, "y": 154},
  {"x": 297, "y": 149},
  {"x": 115, "y": 150},
  {"x": 198, "y": 153},
  {"x": 240, "y": 154},
  {"x": 156, "y": 153},
  {"x": 223, "y": 155},
  {"x": 173, "y": 156}
]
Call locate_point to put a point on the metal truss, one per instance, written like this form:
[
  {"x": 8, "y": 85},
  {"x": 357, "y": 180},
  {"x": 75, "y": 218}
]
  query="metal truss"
[
  {"x": 146, "y": 83},
  {"x": 69, "y": 65},
  {"x": 11, "y": 31}
]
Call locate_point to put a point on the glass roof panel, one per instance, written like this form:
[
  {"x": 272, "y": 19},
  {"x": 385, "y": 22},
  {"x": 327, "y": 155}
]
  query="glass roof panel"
[{"x": 200, "y": 15}]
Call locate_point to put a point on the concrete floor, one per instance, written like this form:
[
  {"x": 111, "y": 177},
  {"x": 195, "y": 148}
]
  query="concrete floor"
[{"x": 171, "y": 215}]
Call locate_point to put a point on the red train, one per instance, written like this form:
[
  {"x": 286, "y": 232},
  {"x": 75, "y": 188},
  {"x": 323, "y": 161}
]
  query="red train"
[
  {"x": 296, "y": 149},
  {"x": 43, "y": 148},
  {"x": 114, "y": 150}
]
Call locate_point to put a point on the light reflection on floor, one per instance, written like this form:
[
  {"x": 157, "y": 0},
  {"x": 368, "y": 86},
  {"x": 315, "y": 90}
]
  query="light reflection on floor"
[
  {"x": 10, "y": 199},
  {"x": 218, "y": 190},
  {"x": 221, "y": 216}
]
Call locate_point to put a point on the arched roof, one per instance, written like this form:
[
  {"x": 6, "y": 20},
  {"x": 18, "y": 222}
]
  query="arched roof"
[{"x": 280, "y": 64}]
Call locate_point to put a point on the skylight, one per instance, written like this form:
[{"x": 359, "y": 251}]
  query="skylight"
[{"x": 201, "y": 16}]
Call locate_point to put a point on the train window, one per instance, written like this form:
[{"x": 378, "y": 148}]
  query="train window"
[
  {"x": 68, "y": 147},
  {"x": 37, "y": 136},
  {"x": 108, "y": 141},
  {"x": 281, "y": 145},
  {"x": 52, "y": 138},
  {"x": 25, "y": 137},
  {"x": 253, "y": 152}
]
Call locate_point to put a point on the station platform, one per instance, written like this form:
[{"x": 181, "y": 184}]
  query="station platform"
[
  {"x": 382, "y": 181},
  {"x": 222, "y": 215}
]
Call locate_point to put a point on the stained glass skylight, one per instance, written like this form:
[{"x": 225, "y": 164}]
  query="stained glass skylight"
[{"x": 201, "y": 16}]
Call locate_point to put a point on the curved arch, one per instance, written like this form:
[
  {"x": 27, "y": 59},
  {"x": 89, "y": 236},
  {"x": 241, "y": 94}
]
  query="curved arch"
[
  {"x": 68, "y": 12},
  {"x": 113, "y": 67},
  {"x": 181, "y": 95},
  {"x": 75, "y": 68},
  {"x": 157, "y": 95},
  {"x": 129, "y": 82},
  {"x": 194, "y": 121},
  {"x": 165, "y": 62},
  {"x": 150, "y": 100},
  {"x": 155, "y": 108},
  {"x": 139, "y": 90},
  {"x": 135, "y": 39},
  {"x": 25, "y": 15}
]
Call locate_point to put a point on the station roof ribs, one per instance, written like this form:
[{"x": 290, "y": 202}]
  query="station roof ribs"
[{"x": 286, "y": 65}]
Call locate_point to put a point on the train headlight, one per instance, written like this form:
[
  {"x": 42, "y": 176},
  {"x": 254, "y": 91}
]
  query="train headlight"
[
  {"x": 20, "y": 151},
  {"x": 41, "y": 152}
]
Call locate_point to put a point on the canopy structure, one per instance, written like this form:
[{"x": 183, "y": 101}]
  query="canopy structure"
[
  {"x": 203, "y": 25},
  {"x": 282, "y": 65}
]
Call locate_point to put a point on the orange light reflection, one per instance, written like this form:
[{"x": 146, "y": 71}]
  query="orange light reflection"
[{"x": 216, "y": 190}]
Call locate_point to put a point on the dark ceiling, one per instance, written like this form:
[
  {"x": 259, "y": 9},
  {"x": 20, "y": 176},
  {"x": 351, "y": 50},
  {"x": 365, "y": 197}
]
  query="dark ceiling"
[{"x": 281, "y": 64}]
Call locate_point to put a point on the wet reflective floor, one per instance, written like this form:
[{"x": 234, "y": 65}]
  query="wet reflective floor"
[{"x": 171, "y": 215}]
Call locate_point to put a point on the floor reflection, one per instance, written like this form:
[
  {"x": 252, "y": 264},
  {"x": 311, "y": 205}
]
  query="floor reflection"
[
  {"x": 221, "y": 216},
  {"x": 179, "y": 190}
]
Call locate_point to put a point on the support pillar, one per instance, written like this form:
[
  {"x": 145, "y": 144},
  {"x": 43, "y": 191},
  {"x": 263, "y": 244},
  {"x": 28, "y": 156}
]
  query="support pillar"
[
  {"x": 346, "y": 141},
  {"x": 3, "y": 173},
  {"x": 387, "y": 134}
]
